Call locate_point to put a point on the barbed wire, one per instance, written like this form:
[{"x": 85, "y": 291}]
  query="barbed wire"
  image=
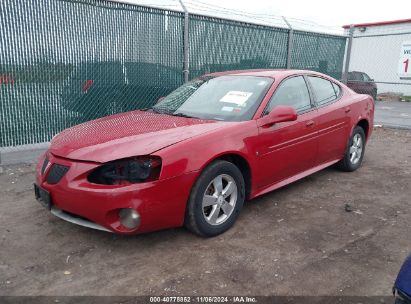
[
  {"x": 223, "y": 14},
  {"x": 268, "y": 19},
  {"x": 194, "y": 4}
]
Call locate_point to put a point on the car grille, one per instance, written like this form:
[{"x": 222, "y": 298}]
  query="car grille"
[
  {"x": 45, "y": 163},
  {"x": 56, "y": 173}
]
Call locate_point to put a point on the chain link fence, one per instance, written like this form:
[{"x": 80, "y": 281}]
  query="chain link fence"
[{"x": 63, "y": 62}]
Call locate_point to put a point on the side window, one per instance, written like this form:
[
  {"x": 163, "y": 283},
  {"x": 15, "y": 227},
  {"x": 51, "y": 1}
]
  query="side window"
[
  {"x": 366, "y": 77},
  {"x": 292, "y": 92},
  {"x": 324, "y": 90}
]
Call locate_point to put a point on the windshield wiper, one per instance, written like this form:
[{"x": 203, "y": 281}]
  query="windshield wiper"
[
  {"x": 179, "y": 114},
  {"x": 155, "y": 110}
]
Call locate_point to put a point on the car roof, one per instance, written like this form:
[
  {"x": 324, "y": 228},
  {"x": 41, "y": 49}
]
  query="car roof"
[{"x": 272, "y": 73}]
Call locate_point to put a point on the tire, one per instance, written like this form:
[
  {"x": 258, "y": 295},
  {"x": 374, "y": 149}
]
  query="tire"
[
  {"x": 352, "y": 162},
  {"x": 225, "y": 207}
]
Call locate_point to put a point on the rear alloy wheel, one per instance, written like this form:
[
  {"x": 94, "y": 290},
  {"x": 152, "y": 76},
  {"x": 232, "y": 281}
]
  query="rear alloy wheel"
[
  {"x": 215, "y": 200},
  {"x": 355, "y": 151}
]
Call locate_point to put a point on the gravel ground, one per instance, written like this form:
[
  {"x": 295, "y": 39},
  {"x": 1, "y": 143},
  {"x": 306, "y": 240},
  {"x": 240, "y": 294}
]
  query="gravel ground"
[{"x": 298, "y": 240}]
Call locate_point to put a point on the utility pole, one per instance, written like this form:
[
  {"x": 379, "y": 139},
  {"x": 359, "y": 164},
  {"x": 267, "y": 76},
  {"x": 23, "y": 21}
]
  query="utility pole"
[
  {"x": 186, "y": 70},
  {"x": 290, "y": 42},
  {"x": 348, "y": 55}
]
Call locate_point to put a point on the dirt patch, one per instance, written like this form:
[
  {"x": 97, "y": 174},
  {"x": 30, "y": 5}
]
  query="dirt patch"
[{"x": 298, "y": 240}]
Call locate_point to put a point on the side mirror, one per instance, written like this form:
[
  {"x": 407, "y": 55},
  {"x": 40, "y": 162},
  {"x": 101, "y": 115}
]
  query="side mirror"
[{"x": 278, "y": 114}]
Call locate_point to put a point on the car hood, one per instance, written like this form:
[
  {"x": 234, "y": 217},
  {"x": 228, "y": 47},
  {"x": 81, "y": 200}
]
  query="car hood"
[{"x": 126, "y": 135}]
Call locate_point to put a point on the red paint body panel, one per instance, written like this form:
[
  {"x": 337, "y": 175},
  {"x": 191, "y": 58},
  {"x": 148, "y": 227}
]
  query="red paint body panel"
[
  {"x": 141, "y": 133},
  {"x": 97, "y": 203},
  {"x": 275, "y": 155},
  {"x": 280, "y": 149}
]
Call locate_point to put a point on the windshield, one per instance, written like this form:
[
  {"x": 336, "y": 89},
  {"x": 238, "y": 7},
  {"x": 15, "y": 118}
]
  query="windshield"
[{"x": 229, "y": 98}]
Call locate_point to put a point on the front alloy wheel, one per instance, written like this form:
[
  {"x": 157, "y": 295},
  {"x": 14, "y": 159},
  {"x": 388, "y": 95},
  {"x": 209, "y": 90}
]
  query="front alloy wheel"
[
  {"x": 219, "y": 199},
  {"x": 216, "y": 199}
]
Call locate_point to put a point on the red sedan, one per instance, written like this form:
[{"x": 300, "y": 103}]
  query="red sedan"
[{"x": 199, "y": 153}]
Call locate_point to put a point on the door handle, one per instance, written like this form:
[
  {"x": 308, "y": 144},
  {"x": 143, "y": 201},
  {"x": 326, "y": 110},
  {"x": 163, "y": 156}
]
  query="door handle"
[
  {"x": 309, "y": 123},
  {"x": 347, "y": 109}
]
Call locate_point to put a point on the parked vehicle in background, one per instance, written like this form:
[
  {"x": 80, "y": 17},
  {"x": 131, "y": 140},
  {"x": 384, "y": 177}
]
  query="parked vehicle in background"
[
  {"x": 199, "y": 153},
  {"x": 361, "y": 83},
  {"x": 402, "y": 286},
  {"x": 97, "y": 89}
]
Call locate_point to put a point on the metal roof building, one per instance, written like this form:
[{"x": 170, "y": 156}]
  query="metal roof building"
[{"x": 383, "y": 51}]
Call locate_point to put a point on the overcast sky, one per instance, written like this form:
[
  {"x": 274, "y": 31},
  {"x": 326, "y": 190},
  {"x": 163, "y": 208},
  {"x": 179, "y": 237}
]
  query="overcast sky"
[
  {"x": 324, "y": 12},
  {"x": 333, "y": 13}
]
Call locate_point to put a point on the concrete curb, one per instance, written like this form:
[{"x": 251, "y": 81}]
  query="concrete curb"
[
  {"x": 392, "y": 126},
  {"x": 22, "y": 154}
]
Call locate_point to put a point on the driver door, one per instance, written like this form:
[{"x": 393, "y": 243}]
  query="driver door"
[{"x": 288, "y": 148}]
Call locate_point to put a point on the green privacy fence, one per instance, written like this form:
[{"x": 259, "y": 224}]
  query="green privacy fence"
[
  {"x": 319, "y": 52},
  {"x": 218, "y": 45},
  {"x": 63, "y": 62}
]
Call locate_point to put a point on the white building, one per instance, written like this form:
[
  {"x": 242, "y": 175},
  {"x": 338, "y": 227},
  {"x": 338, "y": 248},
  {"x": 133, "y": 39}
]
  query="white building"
[{"x": 383, "y": 51}]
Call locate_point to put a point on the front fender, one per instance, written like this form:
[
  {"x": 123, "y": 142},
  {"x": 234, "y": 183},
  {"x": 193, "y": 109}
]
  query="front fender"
[{"x": 196, "y": 153}]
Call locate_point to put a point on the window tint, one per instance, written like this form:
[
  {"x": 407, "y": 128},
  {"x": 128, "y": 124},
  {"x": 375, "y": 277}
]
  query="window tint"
[
  {"x": 324, "y": 90},
  {"x": 292, "y": 92}
]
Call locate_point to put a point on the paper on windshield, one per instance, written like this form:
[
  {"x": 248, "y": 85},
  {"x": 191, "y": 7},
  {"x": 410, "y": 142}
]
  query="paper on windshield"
[
  {"x": 237, "y": 97},
  {"x": 227, "y": 109}
]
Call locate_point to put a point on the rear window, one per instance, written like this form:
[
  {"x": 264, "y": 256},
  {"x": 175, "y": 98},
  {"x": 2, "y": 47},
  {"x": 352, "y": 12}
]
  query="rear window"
[
  {"x": 324, "y": 90},
  {"x": 355, "y": 76}
]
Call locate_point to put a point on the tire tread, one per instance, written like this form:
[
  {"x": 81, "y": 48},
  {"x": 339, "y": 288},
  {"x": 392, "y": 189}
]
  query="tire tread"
[
  {"x": 345, "y": 164},
  {"x": 190, "y": 221}
]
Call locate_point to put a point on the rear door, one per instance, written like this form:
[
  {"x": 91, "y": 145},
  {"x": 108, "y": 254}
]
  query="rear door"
[
  {"x": 333, "y": 120},
  {"x": 288, "y": 148}
]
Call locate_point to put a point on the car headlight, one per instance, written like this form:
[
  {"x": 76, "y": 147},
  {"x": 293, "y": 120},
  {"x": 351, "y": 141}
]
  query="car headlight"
[{"x": 127, "y": 171}]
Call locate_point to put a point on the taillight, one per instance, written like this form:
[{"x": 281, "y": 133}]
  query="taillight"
[{"x": 87, "y": 85}]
